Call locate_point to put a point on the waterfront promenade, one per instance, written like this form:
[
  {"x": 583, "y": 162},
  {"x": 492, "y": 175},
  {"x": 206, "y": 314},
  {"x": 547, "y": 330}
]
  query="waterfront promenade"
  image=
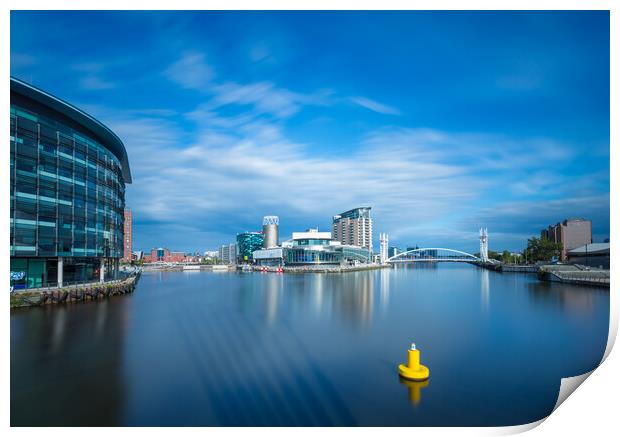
[
  {"x": 74, "y": 293},
  {"x": 575, "y": 274}
]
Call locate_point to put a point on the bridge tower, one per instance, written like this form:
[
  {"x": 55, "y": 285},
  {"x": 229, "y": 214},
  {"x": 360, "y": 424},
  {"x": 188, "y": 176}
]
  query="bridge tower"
[
  {"x": 383, "y": 248},
  {"x": 484, "y": 244}
]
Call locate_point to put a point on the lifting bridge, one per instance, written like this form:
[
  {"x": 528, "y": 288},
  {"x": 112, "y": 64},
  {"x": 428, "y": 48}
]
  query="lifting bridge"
[{"x": 433, "y": 254}]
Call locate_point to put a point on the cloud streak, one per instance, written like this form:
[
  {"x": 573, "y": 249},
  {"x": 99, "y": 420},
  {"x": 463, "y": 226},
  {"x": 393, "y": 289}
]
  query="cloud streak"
[
  {"x": 191, "y": 71},
  {"x": 374, "y": 106}
]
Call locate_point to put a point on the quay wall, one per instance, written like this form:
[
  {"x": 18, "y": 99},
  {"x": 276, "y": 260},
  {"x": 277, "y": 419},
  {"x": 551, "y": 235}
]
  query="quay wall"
[
  {"x": 519, "y": 268},
  {"x": 571, "y": 274},
  {"x": 73, "y": 294}
]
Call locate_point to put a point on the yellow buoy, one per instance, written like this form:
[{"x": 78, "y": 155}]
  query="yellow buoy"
[{"x": 413, "y": 370}]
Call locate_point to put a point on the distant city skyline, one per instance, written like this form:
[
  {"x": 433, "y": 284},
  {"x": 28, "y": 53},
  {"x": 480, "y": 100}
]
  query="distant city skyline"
[{"x": 443, "y": 122}]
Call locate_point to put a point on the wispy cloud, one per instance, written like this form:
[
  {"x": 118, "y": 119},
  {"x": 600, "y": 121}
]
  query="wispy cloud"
[
  {"x": 431, "y": 177},
  {"x": 528, "y": 217},
  {"x": 223, "y": 171},
  {"x": 95, "y": 83},
  {"x": 375, "y": 106},
  {"x": 264, "y": 97},
  {"x": 92, "y": 76},
  {"x": 22, "y": 60},
  {"x": 259, "y": 52},
  {"x": 191, "y": 71}
]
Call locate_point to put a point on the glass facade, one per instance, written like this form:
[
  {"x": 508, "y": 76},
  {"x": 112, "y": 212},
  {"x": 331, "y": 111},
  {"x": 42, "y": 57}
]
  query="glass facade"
[
  {"x": 309, "y": 256},
  {"x": 248, "y": 242},
  {"x": 67, "y": 195},
  {"x": 325, "y": 255},
  {"x": 311, "y": 242},
  {"x": 356, "y": 213}
]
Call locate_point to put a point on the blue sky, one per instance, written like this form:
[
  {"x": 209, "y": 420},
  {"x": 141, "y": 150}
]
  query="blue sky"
[{"x": 443, "y": 122}]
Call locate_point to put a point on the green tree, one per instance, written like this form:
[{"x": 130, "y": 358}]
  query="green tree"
[{"x": 541, "y": 249}]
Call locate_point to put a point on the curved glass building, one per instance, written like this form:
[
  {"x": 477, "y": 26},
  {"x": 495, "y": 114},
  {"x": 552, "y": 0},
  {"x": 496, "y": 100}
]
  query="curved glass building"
[{"x": 68, "y": 176}]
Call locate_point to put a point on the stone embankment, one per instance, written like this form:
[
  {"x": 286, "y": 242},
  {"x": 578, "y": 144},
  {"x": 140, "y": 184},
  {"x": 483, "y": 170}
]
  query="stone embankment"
[
  {"x": 74, "y": 293},
  {"x": 574, "y": 274},
  {"x": 519, "y": 268}
]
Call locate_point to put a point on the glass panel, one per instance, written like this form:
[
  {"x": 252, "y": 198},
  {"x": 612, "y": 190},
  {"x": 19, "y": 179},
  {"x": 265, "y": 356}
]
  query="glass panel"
[{"x": 36, "y": 272}]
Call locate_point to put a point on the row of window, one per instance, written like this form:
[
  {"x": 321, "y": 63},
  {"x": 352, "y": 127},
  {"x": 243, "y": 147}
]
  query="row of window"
[
  {"x": 312, "y": 256},
  {"x": 67, "y": 192},
  {"x": 63, "y": 173},
  {"x": 52, "y": 133}
]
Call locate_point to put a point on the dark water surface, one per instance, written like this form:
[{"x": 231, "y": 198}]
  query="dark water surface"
[{"x": 202, "y": 348}]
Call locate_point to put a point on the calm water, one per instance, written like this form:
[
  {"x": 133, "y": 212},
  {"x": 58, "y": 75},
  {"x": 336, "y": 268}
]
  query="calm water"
[{"x": 270, "y": 349}]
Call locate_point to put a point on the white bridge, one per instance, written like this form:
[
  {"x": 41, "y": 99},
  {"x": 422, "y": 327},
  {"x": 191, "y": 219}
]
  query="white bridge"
[{"x": 433, "y": 254}]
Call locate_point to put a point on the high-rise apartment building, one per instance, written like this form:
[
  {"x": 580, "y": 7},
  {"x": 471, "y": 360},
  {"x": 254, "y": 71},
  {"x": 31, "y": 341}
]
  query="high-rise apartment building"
[
  {"x": 127, "y": 238},
  {"x": 571, "y": 233},
  {"x": 228, "y": 253},
  {"x": 353, "y": 227}
]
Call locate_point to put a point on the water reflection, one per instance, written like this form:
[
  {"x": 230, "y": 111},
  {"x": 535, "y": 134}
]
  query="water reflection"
[
  {"x": 484, "y": 288},
  {"x": 309, "y": 349},
  {"x": 353, "y": 301},
  {"x": 578, "y": 301},
  {"x": 414, "y": 389},
  {"x": 385, "y": 289},
  {"x": 69, "y": 355},
  {"x": 273, "y": 291}
]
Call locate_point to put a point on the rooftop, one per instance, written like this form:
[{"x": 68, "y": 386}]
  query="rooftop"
[
  {"x": 99, "y": 131},
  {"x": 591, "y": 249}
]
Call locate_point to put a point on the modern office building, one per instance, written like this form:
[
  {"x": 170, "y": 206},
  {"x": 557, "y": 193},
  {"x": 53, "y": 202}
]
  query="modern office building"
[
  {"x": 270, "y": 231},
  {"x": 571, "y": 233},
  {"x": 353, "y": 227},
  {"x": 310, "y": 248},
  {"x": 247, "y": 243},
  {"x": 67, "y": 192},
  {"x": 127, "y": 235},
  {"x": 228, "y": 253}
]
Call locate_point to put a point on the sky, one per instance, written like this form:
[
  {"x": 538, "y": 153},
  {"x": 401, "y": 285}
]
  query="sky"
[{"x": 442, "y": 122}]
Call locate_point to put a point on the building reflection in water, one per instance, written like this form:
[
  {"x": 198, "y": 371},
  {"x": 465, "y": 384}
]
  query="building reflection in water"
[
  {"x": 353, "y": 300},
  {"x": 349, "y": 298},
  {"x": 318, "y": 290},
  {"x": 385, "y": 289},
  {"x": 484, "y": 288},
  {"x": 66, "y": 364},
  {"x": 273, "y": 291},
  {"x": 415, "y": 389},
  {"x": 575, "y": 300}
]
